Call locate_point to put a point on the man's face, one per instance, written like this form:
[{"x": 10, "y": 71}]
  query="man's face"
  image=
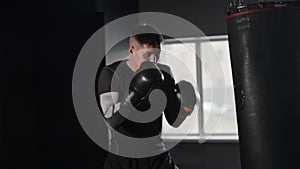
[
  {"x": 143, "y": 52},
  {"x": 147, "y": 53}
]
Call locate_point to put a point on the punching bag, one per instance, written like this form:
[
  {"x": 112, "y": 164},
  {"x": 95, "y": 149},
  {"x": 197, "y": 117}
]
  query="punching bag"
[{"x": 264, "y": 41}]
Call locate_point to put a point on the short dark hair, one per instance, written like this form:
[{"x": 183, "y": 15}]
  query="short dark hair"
[{"x": 147, "y": 34}]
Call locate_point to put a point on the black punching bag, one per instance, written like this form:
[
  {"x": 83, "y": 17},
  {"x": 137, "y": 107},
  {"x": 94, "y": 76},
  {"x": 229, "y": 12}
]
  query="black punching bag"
[{"x": 264, "y": 40}]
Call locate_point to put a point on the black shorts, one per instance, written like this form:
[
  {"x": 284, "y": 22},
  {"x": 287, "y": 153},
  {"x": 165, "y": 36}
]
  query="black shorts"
[{"x": 162, "y": 161}]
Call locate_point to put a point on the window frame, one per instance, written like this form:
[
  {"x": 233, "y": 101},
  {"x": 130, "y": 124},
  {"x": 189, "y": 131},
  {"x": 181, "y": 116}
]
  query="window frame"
[{"x": 200, "y": 136}]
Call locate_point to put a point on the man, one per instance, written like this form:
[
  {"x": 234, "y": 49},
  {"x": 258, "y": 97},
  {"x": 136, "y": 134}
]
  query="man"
[{"x": 124, "y": 90}]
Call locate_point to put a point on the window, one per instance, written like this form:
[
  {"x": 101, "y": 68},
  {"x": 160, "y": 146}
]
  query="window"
[{"x": 206, "y": 64}]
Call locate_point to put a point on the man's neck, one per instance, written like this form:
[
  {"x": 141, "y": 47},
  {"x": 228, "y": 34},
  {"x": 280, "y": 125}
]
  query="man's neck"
[{"x": 131, "y": 65}]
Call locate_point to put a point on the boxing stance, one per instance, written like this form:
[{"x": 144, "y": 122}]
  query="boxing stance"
[{"x": 124, "y": 87}]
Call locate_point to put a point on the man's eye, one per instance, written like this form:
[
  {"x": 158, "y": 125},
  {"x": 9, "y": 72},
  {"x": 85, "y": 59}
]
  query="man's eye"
[{"x": 147, "y": 55}]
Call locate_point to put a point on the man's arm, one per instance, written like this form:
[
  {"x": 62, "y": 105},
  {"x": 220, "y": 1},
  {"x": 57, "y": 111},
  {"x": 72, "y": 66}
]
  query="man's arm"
[
  {"x": 109, "y": 98},
  {"x": 171, "y": 111}
]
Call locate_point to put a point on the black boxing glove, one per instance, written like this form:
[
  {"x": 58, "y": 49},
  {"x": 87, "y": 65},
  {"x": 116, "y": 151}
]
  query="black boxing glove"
[
  {"x": 147, "y": 78},
  {"x": 181, "y": 102},
  {"x": 186, "y": 94}
]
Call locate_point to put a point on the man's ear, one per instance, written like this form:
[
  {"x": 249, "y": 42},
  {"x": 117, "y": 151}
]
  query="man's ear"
[{"x": 130, "y": 50}]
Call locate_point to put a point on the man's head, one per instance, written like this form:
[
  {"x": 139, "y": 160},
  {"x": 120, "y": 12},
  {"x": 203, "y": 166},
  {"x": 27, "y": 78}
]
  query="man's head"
[{"x": 144, "y": 45}]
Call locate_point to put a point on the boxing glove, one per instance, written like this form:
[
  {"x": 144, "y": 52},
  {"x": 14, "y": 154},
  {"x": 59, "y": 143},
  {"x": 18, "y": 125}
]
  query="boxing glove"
[
  {"x": 147, "y": 78},
  {"x": 186, "y": 95},
  {"x": 181, "y": 102}
]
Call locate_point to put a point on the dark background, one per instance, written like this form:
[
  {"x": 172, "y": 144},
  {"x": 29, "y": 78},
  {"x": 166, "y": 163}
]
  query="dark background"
[{"x": 39, "y": 44}]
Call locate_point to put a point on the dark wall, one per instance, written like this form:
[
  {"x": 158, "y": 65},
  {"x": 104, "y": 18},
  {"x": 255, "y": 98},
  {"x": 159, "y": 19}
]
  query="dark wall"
[
  {"x": 209, "y": 155},
  {"x": 52, "y": 5},
  {"x": 207, "y": 15},
  {"x": 114, "y": 9},
  {"x": 39, "y": 127}
]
